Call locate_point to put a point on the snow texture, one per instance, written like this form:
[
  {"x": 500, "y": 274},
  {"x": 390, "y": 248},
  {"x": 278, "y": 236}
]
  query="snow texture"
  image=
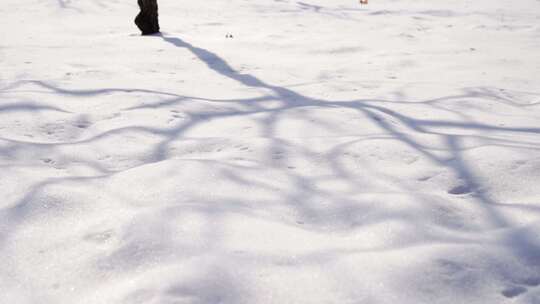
[{"x": 270, "y": 151}]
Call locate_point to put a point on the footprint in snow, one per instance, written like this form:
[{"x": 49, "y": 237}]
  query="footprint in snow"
[
  {"x": 99, "y": 237},
  {"x": 514, "y": 291},
  {"x": 52, "y": 163},
  {"x": 424, "y": 178},
  {"x": 82, "y": 123},
  {"x": 460, "y": 189}
]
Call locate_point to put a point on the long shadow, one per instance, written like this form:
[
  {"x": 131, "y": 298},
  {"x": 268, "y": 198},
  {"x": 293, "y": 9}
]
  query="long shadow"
[
  {"x": 29, "y": 106},
  {"x": 219, "y": 65},
  {"x": 72, "y": 92}
]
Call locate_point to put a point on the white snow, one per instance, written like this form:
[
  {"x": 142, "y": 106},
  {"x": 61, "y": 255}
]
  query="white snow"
[{"x": 328, "y": 153}]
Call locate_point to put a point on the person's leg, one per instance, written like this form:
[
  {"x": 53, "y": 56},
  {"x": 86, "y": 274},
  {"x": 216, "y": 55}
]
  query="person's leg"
[
  {"x": 147, "y": 19},
  {"x": 153, "y": 13}
]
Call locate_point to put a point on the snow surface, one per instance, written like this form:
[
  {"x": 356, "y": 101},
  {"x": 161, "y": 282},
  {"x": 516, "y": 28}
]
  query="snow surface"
[{"x": 328, "y": 153}]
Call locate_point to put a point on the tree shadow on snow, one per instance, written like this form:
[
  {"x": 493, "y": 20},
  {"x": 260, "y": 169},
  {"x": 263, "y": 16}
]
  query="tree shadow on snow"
[{"x": 344, "y": 213}]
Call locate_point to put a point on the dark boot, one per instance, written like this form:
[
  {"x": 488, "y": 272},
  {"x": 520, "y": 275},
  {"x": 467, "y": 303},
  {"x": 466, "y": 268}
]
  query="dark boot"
[{"x": 147, "y": 19}]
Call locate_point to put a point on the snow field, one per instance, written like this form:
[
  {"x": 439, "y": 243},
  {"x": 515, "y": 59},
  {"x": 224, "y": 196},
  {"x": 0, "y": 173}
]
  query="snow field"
[{"x": 327, "y": 153}]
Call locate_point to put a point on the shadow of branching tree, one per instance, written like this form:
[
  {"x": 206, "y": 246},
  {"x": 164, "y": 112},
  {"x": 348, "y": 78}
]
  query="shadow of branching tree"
[{"x": 323, "y": 200}]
